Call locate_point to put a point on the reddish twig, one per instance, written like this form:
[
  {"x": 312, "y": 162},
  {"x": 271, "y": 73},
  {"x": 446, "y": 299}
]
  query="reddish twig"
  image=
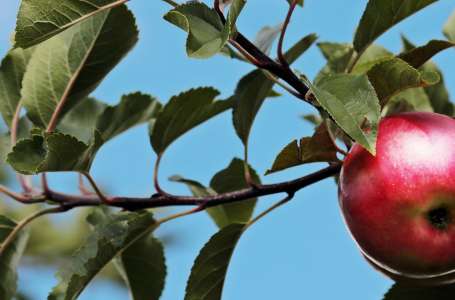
[
  {"x": 155, "y": 176},
  {"x": 280, "y": 42}
]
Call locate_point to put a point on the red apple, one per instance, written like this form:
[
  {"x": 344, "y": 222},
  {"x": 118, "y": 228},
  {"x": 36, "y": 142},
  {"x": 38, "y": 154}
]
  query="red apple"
[{"x": 399, "y": 205}]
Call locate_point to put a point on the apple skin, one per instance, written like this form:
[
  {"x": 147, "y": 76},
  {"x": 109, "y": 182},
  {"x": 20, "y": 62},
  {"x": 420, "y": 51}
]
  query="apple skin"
[
  {"x": 412, "y": 281},
  {"x": 399, "y": 206}
]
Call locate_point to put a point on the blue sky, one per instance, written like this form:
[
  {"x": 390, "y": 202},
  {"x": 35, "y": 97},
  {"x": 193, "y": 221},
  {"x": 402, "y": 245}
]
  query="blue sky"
[{"x": 301, "y": 250}]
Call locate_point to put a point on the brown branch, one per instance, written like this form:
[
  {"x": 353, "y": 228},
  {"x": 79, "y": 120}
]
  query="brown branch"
[
  {"x": 272, "y": 66},
  {"x": 262, "y": 61},
  {"x": 161, "y": 200}
]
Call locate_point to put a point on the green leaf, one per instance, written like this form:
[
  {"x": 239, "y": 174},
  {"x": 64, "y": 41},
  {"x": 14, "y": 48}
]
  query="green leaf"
[
  {"x": 372, "y": 55},
  {"x": 229, "y": 52},
  {"x": 12, "y": 70},
  {"x": 420, "y": 55},
  {"x": 112, "y": 236},
  {"x": 266, "y": 36},
  {"x": 407, "y": 45},
  {"x": 209, "y": 270},
  {"x": 62, "y": 152},
  {"x": 254, "y": 87},
  {"x": 300, "y": 3},
  {"x": 417, "y": 99},
  {"x": 142, "y": 264},
  {"x": 97, "y": 216},
  {"x": 405, "y": 292},
  {"x": 184, "y": 112},
  {"x": 206, "y": 33},
  {"x": 363, "y": 67},
  {"x": 314, "y": 119},
  {"x": 345, "y": 97},
  {"x": 133, "y": 109},
  {"x": 299, "y": 48},
  {"x": 373, "y": 52},
  {"x": 409, "y": 100},
  {"x": 318, "y": 148},
  {"x": 274, "y": 94},
  {"x": 145, "y": 268},
  {"x": 38, "y": 21},
  {"x": 394, "y": 75},
  {"x": 67, "y": 68},
  {"x": 24, "y": 126},
  {"x": 228, "y": 180},
  {"x": 340, "y": 56},
  {"x": 196, "y": 188},
  {"x": 81, "y": 120},
  {"x": 334, "y": 129},
  {"x": 439, "y": 97},
  {"x": 449, "y": 28},
  {"x": 263, "y": 40},
  {"x": 380, "y": 15},
  {"x": 10, "y": 257},
  {"x": 328, "y": 49},
  {"x": 336, "y": 64},
  {"x": 249, "y": 95}
]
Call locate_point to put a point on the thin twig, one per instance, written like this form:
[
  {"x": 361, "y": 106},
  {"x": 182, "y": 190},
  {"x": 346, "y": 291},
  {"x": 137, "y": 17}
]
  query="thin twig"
[
  {"x": 171, "y": 2},
  {"x": 348, "y": 146},
  {"x": 46, "y": 189},
  {"x": 23, "y": 183},
  {"x": 356, "y": 59},
  {"x": 155, "y": 176},
  {"x": 14, "y": 124},
  {"x": 289, "y": 197},
  {"x": 224, "y": 5},
  {"x": 216, "y": 6},
  {"x": 283, "y": 31},
  {"x": 261, "y": 60},
  {"x": 27, "y": 220},
  {"x": 102, "y": 197},
  {"x": 248, "y": 56},
  {"x": 287, "y": 88},
  {"x": 82, "y": 186},
  {"x": 247, "y": 170},
  {"x": 14, "y": 195},
  {"x": 333, "y": 138},
  {"x": 272, "y": 66}
]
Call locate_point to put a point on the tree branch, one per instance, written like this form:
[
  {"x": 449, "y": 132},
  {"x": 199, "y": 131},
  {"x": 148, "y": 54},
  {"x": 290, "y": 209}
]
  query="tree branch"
[
  {"x": 272, "y": 66},
  {"x": 161, "y": 200}
]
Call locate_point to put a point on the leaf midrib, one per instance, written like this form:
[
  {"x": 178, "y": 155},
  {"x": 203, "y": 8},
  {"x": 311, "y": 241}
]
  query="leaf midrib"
[
  {"x": 76, "y": 74},
  {"x": 68, "y": 25}
]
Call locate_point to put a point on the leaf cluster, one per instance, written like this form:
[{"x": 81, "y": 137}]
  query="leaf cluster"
[{"x": 62, "y": 51}]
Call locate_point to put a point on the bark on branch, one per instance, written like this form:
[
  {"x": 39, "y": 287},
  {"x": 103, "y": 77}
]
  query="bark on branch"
[{"x": 161, "y": 200}]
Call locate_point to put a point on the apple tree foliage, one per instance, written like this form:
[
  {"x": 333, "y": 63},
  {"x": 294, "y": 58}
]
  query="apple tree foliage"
[{"x": 61, "y": 51}]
